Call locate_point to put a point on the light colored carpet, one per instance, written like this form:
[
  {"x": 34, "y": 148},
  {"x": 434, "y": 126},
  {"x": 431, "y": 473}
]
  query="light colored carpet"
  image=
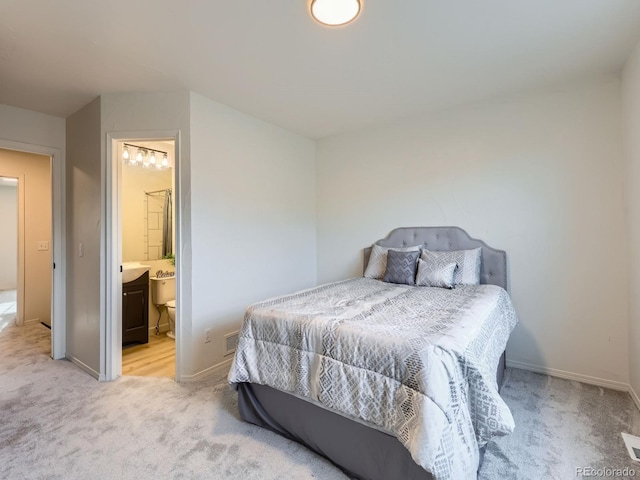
[
  {"x": 56, "y": 422},
  {"x": 561, "y": 426}
]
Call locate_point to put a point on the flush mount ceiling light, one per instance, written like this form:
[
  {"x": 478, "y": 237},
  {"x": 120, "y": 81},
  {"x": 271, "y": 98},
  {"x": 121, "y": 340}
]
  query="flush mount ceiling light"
[{"x": 335, "y": 12}]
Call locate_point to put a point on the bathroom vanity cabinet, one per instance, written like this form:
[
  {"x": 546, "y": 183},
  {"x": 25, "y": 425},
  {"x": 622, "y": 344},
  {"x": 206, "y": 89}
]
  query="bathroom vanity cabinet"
[{"x": 135, "y": 310}]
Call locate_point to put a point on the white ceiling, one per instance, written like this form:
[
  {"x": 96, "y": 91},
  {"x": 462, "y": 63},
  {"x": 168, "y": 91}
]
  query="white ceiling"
[{"x": 269, "y": 59}]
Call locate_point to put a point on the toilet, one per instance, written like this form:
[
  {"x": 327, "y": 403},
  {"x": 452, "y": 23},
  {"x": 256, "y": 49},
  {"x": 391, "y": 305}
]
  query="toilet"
[
  {"x": 171, "y": 311},
  {"x": 163, "y": 294}
]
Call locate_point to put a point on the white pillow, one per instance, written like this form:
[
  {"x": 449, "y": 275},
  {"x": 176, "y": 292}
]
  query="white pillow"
[
  {"x": 431, "y": 274},
  {"x": 468, "y": 261},
  {"x": 378, "y": 260}
]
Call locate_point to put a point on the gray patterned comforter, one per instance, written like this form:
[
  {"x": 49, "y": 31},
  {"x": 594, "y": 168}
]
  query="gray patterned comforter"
[{"x": 419, "y": 363}]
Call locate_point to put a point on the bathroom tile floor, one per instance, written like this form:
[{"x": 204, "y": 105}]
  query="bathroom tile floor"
[{"x": 154, "y": 359}]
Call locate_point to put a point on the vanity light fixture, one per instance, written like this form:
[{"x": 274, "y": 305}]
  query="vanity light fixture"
[
  {"x": 335, "y": 12},
  {"x": 145, "y": 157}
]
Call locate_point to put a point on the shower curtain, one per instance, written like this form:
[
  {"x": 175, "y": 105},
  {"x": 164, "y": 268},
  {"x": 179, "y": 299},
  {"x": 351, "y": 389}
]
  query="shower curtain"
[{"x": 167, "y": 231}]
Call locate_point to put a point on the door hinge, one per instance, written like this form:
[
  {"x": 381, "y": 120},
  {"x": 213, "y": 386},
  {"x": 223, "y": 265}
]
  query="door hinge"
[{"x": 54, "y": 265}]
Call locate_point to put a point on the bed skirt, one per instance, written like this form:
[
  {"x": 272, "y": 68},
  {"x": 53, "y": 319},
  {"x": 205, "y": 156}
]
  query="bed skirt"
[{"x": 360, "y": 451}]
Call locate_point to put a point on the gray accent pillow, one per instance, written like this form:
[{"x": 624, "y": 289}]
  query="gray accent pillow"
[
  {"x": 435, "y": 275},
  {"x": 401, "y": 267},
  {"x": 468, "y": 261},
  {"x": 377, "y": 265}
]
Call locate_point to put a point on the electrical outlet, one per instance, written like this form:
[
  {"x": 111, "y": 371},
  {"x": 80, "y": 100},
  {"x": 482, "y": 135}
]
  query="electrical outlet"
[{"x": 207, "y": 335}]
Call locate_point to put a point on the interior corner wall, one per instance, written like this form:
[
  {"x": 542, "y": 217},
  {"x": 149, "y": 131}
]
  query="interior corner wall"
[
  {"x": 631, "y": 122},
  {"x": 253, "y": 219},
  {"x": 83, "y": 210},
  {"x": 539, "y": 176}
]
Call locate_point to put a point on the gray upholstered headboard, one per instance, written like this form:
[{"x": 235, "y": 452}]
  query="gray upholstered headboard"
[{"x": 494, "y": 262}]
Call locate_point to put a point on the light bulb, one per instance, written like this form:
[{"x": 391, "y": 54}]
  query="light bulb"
[
  {"x": 125, "y": 153},
  {"x": 139, "y": 156},
  {"x": 152, "y": 160},
  {"x": 145, "y": 158},
  {"x": 335, "y": 12},
  {"x": 165, "y": 161}
]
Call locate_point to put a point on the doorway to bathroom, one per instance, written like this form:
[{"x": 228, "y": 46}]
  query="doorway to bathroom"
[{"x": 147, "y": 238}]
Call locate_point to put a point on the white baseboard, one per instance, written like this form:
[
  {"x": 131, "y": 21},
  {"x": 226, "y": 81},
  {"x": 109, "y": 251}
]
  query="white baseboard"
[
  {"x": 634, "y": 397},
  {"x": 578, "y": 377},
  {"x": 85, "y": 367},
  {"x": 206, "y": 372},
  {"x": 164, "y": 327}
]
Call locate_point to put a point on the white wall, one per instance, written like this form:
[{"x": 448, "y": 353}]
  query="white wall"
[
  {"x": 84, "y": 196},
  {"x": 631, "y": 110},
  {"x": 253, "y": 219},
  {"x": 26, "y": 126},
  {"x": 539, "y": 176},
  {"x": 9, "y": 237}
]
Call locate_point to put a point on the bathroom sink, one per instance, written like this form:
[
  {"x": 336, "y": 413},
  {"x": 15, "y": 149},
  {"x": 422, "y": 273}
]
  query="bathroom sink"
[{"x": 133, "y": 270}]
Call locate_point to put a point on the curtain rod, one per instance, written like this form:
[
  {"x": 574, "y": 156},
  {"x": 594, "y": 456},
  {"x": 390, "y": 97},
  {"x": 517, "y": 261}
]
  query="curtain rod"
[
  {"x": 144, "y": 148},
  {"x": 158, "y": 191}
]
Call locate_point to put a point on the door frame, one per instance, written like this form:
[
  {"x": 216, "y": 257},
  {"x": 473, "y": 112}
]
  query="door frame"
[
  {"x": 20, "y": 285},
  {"x": 20, "y": 282},
  {"x": 112, "y": 333},
  {"x": 58, "y": 241}
]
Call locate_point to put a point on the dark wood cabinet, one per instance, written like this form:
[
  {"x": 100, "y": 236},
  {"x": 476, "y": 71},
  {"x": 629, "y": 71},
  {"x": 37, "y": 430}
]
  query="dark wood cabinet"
[{"x": 135, "y": 310}]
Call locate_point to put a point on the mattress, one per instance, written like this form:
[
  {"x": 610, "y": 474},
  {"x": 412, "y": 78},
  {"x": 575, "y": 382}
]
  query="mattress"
[{"x": 417, "y": 363}]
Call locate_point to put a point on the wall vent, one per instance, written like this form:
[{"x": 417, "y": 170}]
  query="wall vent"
[{"x": 231, "y": 342}]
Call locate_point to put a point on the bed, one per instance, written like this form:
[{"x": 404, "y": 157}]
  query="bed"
[{"x": 376, "y": 398}]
